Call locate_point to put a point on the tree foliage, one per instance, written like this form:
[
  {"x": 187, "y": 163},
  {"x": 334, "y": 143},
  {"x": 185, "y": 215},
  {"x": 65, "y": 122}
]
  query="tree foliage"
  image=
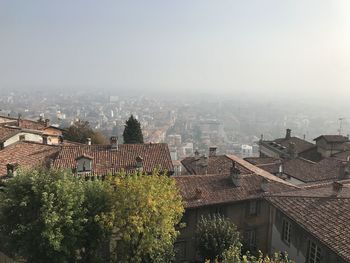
[
  {"x": 80, "y": 131},
  {"x": 234, "y": 255},
  {"x": 96, "y": 235},
  {"x": 215, "y": 234},
  {"x": 45, "y": 216},
  {"x": 132, "y": 133},
  {"x": 147, "y": 208}
]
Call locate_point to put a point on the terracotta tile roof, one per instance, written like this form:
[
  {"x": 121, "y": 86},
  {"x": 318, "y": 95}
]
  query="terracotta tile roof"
[
  {"x": 311, "y": 154},
  {"x": 302, "y": 169},
  {"x": 268, "y": 164},
  {"x": 7, "y": 132},
  {"x": 262, "y": 160},
  {"x": 26, "y": 155},
  {"x": 322, "y": 213},
  {"x": 210, "y": 165},
  {"x": 203, "y": 190},
  {"x": 31, "y": 125},
  {"x": 257, "y": 170},
  {"x": 343, "y": 156},
  {"x": 23, "y": 123},
  {"x": 333, "y": 138},
  {"x": 308, "y": 171},
  {"x": 106, "y": 160},
  {"x": 300, "y": 144}
]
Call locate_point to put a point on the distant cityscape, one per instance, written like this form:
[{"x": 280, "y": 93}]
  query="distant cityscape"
[{"x": 186, "y": 124}]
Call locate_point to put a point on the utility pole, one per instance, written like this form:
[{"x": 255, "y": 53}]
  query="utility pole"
[{"x": 340, "y": 125}]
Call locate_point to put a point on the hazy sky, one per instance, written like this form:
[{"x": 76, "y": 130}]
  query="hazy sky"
[{"x": 280, "y": 46}]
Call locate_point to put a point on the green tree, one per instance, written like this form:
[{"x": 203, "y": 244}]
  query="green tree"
[
  {"x": 80, "y": 131},
  {"x": 96, "y": 235},
  {"x": 147, "y": 208},
  {"x": 234, "y": 255},
  {"x": 41, "y": 216},
  {"x": 132, "y": 132},
  {"x": 51, "y": 216},
  {"x": 215, "y": 234}
]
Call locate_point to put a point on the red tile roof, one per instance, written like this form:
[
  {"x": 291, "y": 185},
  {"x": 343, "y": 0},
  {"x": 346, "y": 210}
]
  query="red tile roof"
[
  {"x": 26, "y": 155},
  {"x": 300, "y": 144},
  {"x": 308, "y": 171},
  {"x": 302, "y": 169},
  {"x": 210, "y": 165},
  {"x": 219, "y": 188},
  {"x": 7, "y": 132},
  {"x": 31, "y": 125},
  {"x": 322, "y": 213},
  {"x": 333, "y": 138},
  {"x": 107, "y": 160}
]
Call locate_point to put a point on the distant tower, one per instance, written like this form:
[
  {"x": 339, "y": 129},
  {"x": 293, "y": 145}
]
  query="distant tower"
[{"x": 340, "y": 125}]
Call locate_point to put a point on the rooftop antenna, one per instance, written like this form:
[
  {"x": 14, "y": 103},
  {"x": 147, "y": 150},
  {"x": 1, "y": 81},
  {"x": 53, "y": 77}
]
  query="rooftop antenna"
[{"x": 340, "y": 125}]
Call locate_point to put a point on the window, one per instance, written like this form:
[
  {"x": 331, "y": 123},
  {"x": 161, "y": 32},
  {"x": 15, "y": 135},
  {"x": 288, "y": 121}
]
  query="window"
[
  {"x": 180, "y": 250},
  {"x": 314, "y": 253},
  {"x": 184, "y": 220},
  {"x": 22, "y": 137},
  {"x": 253, "y": 207},
  {"x": 218, "y": 210},
  {"x": 286, "y": 227},
  {"x": 250, "y": 238}
]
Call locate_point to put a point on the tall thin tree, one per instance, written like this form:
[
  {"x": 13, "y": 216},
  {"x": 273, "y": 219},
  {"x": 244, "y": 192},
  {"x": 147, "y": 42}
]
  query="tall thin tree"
[{"x": 132, "y": 133}]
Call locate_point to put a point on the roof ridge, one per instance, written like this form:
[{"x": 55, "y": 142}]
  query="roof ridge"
[
  {"x": 305, "y": 196},
  {"x": 259, "y": 171}
]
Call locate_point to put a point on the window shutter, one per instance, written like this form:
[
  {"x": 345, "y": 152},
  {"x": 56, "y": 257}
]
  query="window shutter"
[{"x": 258, "y": 206}]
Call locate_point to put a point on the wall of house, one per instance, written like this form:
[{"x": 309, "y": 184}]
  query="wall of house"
[
  {"x": 5, "y": 259},
  {"x": 327, "y": 149},
  {"x": 294, "y": 181},
  {"x": 237, "y": 212},
  {"x": 297, "y": 249},
  {"x": 28, "y": 137},
  {"x": 266, "y": 152},
  {"x": 84, "y": 163},
  {"x": 52, "y": 131}
]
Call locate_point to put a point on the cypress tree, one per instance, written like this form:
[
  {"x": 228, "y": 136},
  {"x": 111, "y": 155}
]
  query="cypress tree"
[{"x": 132, "y": 133}]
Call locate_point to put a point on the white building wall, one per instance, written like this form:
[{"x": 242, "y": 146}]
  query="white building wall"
[
  {"x": 28, "y": 137},
  {"x": 294, "y": 181},
  {"x": 268, "y": 152},
  {"x": 277, "y": 245}
]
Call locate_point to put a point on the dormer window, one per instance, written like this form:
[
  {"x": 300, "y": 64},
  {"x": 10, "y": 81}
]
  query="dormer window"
[
  {"x": 84, "y": 163},
  {"x": 139, "y": 163},
  {"x": 12, "y": 169}
]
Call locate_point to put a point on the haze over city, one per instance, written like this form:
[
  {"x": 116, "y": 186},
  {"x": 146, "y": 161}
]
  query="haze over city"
[
  {"x": 275, "y": 48},
  {"x": 186, "y": 131}
]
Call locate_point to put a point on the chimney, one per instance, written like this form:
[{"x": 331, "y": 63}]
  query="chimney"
[
  {"x": 288, "y": 133},
  {"x": 344, "y": 170},
  {"x": 292, "y": 151},
  {"x": 88, "y": 141},
  {"x": 337, "y": 187},
  {"x": 212, "y": 151},
  {"x": 139, "y": 162},
  {"x": 114, "y": 143},
  {"x": 265, "y": 185},
  {"x": 47, "y": 122},
  {"x": 280, "y": 169},
  {"x": 19, "y": 119},
  {"x": 12, "y": 169},
  {"x": 235, "y": 174},
  {"x": 198, "y": 194},
  {"x": 45, "y": 138},
  {"x": 196, "y": 155}
]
